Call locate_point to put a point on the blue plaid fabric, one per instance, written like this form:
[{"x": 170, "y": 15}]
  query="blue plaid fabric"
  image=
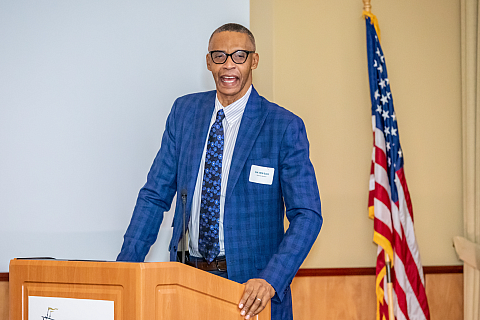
[
  {"x": 256, "y": 245},
  {"x": 208, "y": 244}
]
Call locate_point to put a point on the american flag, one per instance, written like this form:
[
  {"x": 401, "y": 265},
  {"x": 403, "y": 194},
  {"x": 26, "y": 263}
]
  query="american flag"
[{"x": 390, "y": 205}]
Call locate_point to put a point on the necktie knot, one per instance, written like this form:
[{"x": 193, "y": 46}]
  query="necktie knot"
[{"x": 220, "y": 115}]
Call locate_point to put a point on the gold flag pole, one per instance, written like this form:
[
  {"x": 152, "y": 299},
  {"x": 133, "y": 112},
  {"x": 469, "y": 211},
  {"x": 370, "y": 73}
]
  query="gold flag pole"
[
  {"x": 366, "y": 6},
  {"x": 388, "y": 263}
]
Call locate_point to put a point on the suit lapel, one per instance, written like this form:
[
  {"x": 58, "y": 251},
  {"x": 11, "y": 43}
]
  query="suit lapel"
[
  {"x": 201, "y": 124},
  {"x": 252, "y": 121}
]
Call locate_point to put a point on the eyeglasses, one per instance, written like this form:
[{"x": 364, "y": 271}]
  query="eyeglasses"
[{"x": 239, "y": 56}]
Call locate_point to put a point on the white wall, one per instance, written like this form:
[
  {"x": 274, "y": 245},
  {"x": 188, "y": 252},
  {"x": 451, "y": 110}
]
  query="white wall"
[{"x": 85, "y": 88}]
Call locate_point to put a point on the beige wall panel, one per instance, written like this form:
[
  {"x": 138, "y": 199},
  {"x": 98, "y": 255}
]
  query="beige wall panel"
[
  {"x": 261, "y": 22},
  {"x": 320, "y": 73},
  {"x": 3, "y": 300}
]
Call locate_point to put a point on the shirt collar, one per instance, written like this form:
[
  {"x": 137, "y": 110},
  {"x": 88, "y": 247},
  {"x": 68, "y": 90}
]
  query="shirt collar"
[{"x": 234, "y": 111}]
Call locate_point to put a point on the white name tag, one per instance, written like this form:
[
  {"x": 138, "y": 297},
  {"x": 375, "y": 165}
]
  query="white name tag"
[{"x": 262, "y": 175}]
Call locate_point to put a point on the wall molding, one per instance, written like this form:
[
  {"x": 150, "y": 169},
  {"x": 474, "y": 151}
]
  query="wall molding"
[
  {"x": 442, "y": 269},
  {"x": 330, "y": 272}
]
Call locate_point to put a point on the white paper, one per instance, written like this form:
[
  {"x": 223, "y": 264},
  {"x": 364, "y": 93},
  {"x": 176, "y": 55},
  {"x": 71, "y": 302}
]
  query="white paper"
[{"x": 50, "y": 308}]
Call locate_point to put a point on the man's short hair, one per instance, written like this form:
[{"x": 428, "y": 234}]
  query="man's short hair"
[{"x": 234, "y": 27}]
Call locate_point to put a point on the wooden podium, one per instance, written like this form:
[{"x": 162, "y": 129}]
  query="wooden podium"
[{"x": 139, "y": 291}]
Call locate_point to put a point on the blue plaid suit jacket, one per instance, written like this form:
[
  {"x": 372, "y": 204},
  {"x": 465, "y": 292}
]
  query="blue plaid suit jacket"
[{"x": 256, "y": 245}]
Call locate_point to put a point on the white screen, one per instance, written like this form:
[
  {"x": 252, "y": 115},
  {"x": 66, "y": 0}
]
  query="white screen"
[{"x": 85, "y": 89}]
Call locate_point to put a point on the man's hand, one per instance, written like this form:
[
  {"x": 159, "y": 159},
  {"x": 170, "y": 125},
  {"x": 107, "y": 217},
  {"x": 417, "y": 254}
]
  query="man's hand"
[{"x": 255, "y": 297}]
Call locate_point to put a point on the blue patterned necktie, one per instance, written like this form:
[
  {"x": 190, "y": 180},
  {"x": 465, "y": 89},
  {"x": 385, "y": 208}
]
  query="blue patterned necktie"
[{"x": 208, "y": 244}]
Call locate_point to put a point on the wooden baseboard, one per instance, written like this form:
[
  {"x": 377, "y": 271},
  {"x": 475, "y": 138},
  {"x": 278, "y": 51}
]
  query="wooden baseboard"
[
  {"x": 353, "y": 297},
  {"x": 4, "y": 276}
]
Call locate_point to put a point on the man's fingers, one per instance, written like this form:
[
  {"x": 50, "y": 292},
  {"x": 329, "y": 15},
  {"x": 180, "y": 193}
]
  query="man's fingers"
[
  {"x": 255, "y": 297},
  {"x": 258, "y": 306},
  {"x": 249, "y": 303},
  {"x": 246, "y": 294}
]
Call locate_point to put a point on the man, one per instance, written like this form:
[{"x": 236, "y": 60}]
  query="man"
[{"x": 244, "y": 163}]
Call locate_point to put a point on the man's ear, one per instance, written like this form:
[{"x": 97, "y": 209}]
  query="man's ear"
[
  {"x": 209, "y": 62},
  {"x": 255, "y": 58}
]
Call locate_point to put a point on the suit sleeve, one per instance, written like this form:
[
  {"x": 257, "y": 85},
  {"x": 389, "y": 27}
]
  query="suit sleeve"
[
  {"x": 154, "y": 198},
  {"x": 303, "y": 209}
]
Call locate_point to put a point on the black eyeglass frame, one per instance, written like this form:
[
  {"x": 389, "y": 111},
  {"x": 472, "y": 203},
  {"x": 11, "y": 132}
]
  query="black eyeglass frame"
[{"x": 230, "y": 55}]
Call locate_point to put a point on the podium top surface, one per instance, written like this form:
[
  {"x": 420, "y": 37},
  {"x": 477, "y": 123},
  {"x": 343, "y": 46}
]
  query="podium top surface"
[{"x": 126, "y": 274}]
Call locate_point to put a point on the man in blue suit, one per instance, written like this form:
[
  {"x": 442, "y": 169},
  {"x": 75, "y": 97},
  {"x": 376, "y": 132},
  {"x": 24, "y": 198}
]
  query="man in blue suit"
[{"x": 244, "y": 162}]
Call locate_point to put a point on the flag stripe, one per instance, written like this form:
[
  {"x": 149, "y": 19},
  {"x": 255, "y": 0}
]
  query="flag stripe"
[
  {"x": 401, "y": 176},
  {"x": 382, "y": 195}
]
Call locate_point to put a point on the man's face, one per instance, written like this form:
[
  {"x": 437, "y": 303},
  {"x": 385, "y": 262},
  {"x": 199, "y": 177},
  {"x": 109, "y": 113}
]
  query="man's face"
[{"x": 232, "y": 80}]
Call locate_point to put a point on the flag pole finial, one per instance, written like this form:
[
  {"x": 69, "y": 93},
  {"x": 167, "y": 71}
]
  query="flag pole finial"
[{"x": 366, "y": 6}]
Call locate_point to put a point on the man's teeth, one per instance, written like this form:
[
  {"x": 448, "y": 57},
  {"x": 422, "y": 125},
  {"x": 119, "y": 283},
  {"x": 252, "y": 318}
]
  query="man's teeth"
[{"x": 229, "y": 79}]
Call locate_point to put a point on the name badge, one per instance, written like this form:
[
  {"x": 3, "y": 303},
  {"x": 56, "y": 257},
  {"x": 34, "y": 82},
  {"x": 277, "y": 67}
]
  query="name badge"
[{"x": 262, "y": 175}]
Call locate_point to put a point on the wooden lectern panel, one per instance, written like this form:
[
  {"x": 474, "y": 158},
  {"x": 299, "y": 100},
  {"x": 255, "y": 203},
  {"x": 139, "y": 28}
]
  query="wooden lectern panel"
[
  {"x": 193, "y": 294},
  {"x": 73, "y": 279},
  {"x": 140, "y": 291},
  {"x": 194, "y": 305}
]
